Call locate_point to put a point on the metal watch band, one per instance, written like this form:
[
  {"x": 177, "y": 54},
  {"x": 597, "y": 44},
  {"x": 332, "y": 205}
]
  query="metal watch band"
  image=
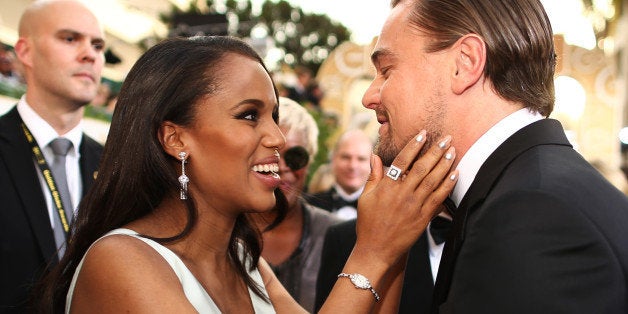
[{"x": 360, "y": 282}]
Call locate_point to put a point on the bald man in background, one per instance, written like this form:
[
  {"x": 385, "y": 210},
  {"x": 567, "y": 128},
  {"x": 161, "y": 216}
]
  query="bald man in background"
[
  {"x": 61, "y": 48},
  {"x": 350, "y": 166}
]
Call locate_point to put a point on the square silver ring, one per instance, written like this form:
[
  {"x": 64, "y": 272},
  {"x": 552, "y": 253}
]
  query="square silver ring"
[{"x": 393, "y": 172}]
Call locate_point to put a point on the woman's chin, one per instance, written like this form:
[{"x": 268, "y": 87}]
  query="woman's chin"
[{"x": 260, "y": 209}]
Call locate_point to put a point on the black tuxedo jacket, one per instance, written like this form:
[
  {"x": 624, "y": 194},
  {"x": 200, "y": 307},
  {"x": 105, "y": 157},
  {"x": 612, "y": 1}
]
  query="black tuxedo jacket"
[
  {"x": 416, "y": 296},
  {"x": 323, "y": 199},
  {"x": 27, "y": 242},
  {"x": 538, "y": 231},
  {"x": 328, "y": 200}
]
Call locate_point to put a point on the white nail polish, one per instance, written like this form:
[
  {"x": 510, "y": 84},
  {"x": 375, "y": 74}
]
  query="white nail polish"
[
  {"x": 448, "y": 156},
  {"x": 443, "y": 144},
  {"x": 419, "y": 138},
  {"x": 452, "y": 177}
]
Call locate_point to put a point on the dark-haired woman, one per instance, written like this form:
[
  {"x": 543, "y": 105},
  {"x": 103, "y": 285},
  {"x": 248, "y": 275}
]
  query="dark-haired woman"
[{"x": 193, "y": 147}]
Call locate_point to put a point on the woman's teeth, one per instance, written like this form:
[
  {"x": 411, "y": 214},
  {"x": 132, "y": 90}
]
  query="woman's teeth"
[{"x": 273, "y": 168}]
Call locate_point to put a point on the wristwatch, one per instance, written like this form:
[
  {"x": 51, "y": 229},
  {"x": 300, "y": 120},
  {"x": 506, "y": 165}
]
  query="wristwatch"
[{"x": 360, "y": 282}]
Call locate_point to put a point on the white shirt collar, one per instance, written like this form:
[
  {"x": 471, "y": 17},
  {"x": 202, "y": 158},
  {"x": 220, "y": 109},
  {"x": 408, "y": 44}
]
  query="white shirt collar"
[
  {"x": 43, "y": 132},
  {"x": 480, "y": 150},
  {"x": 346, "y": 196}
]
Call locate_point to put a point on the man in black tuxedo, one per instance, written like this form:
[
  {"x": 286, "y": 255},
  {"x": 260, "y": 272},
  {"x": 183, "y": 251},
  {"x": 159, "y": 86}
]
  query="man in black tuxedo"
[
  {"x": 61, "y": 49},
  {"x": 537, "y": 228},
  {"x": 421, "y": 269},
  {"x": 350, "y": 168}
]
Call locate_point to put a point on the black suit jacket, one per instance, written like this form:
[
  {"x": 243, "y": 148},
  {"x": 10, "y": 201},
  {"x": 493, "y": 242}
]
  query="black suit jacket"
[
  {"x": 416, "y": 296},
  {"x": 328, "y": 200},
  {"x": 27, "y": 242},
  {"x": 538, "y": 231},
  {"x": 322, "y": 200}
]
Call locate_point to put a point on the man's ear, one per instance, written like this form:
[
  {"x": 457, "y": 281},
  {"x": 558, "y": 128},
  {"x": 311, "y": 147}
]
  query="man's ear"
[
  {"x": 470, "y": 56},
  {"x": 23, "y": 51},
  {"x": 170, "y": 137}
]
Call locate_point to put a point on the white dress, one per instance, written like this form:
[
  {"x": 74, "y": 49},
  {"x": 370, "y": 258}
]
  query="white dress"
[{"x": 193, "y": 290}]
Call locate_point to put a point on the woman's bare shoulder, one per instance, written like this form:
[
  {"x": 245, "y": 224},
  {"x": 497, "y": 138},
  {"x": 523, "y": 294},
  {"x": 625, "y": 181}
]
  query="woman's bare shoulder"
[{"x": 123, "y": 273}]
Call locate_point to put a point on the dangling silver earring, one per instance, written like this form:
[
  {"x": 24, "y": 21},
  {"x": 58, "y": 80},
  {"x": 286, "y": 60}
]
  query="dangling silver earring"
[{"x": 183, "y": 179}]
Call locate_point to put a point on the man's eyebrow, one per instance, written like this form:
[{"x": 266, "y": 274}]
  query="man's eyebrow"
[
  {"x": 70, "y": 31},
  {"x": 98, "y": 40},
  {"x": 380, "y": 53},
  {"x": 76, "y": 33}
]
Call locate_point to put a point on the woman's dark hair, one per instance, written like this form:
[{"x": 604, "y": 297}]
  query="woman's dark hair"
[{"x": 135, "y": 173}]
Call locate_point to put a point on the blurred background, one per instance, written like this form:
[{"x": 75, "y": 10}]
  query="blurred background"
[{"x": 319, "y": 53}]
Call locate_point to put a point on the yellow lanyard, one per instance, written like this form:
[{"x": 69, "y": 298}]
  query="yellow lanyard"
[{"x": 50, "y": 181}]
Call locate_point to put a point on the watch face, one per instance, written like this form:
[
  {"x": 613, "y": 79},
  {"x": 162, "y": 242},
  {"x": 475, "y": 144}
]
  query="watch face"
[{"x": 360, "y": 281}]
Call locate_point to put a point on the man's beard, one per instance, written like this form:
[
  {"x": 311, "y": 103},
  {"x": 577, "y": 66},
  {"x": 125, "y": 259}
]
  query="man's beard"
[{"x": 387, "y": 150}]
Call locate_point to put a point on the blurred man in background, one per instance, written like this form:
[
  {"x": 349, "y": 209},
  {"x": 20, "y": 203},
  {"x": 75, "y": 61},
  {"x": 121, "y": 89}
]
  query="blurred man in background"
[{"x": 350, "y": 166}]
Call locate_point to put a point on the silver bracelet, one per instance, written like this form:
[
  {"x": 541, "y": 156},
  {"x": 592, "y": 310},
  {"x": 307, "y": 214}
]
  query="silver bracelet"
[{"x": 361, "y": 282}]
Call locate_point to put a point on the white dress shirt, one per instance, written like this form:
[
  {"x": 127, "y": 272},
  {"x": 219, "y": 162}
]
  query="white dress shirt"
[
  {"x": 472, "y": 161},
  {"x": 347, "y": 212},
  {"x": 44, "y": 134},
  {"x": 436, "y": 252}
]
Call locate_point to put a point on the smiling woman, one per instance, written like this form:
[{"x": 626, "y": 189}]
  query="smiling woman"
[
  {"x": 180, "y": 111},
  {"x": 192, "y": 151}
]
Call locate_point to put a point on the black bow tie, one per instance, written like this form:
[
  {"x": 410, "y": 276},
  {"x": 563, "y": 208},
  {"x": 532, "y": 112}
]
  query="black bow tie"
[
  {"x": 450, "y": 205},
  {"x": 439, "y": 227},
  {"x": 341, "y": 202}
]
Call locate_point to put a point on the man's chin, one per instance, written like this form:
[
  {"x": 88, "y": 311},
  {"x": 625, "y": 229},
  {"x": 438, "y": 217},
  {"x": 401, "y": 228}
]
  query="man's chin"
[
  {"x": 386, "y": 156},
  {"x": 386, "y": 151},
  {"x": 84, "y": 99}
]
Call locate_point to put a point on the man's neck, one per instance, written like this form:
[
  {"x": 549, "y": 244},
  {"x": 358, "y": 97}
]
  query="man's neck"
[{"x": 63, "y": 117}]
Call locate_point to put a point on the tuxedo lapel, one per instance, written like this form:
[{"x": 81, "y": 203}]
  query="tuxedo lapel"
[
  {"x": 90, "y": 157},
  {"x": 17, "y": 155},
  {"x": 543, "y": 132},
  {"x": 416, "y": 295}
]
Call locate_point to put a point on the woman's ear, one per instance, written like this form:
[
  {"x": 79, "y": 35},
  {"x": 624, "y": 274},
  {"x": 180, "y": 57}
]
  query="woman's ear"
[
  {"x": 470, "y": 56},
  {"x": 170, "y": 137}
]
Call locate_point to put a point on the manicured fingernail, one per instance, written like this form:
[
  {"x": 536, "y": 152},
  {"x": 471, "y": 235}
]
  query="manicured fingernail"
[
  {"x": 444, "y": 142},
  {"x": 421, "y": 136},
  {"x": 452, "y": 177},
  {"x": 450, "y": 153}
]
